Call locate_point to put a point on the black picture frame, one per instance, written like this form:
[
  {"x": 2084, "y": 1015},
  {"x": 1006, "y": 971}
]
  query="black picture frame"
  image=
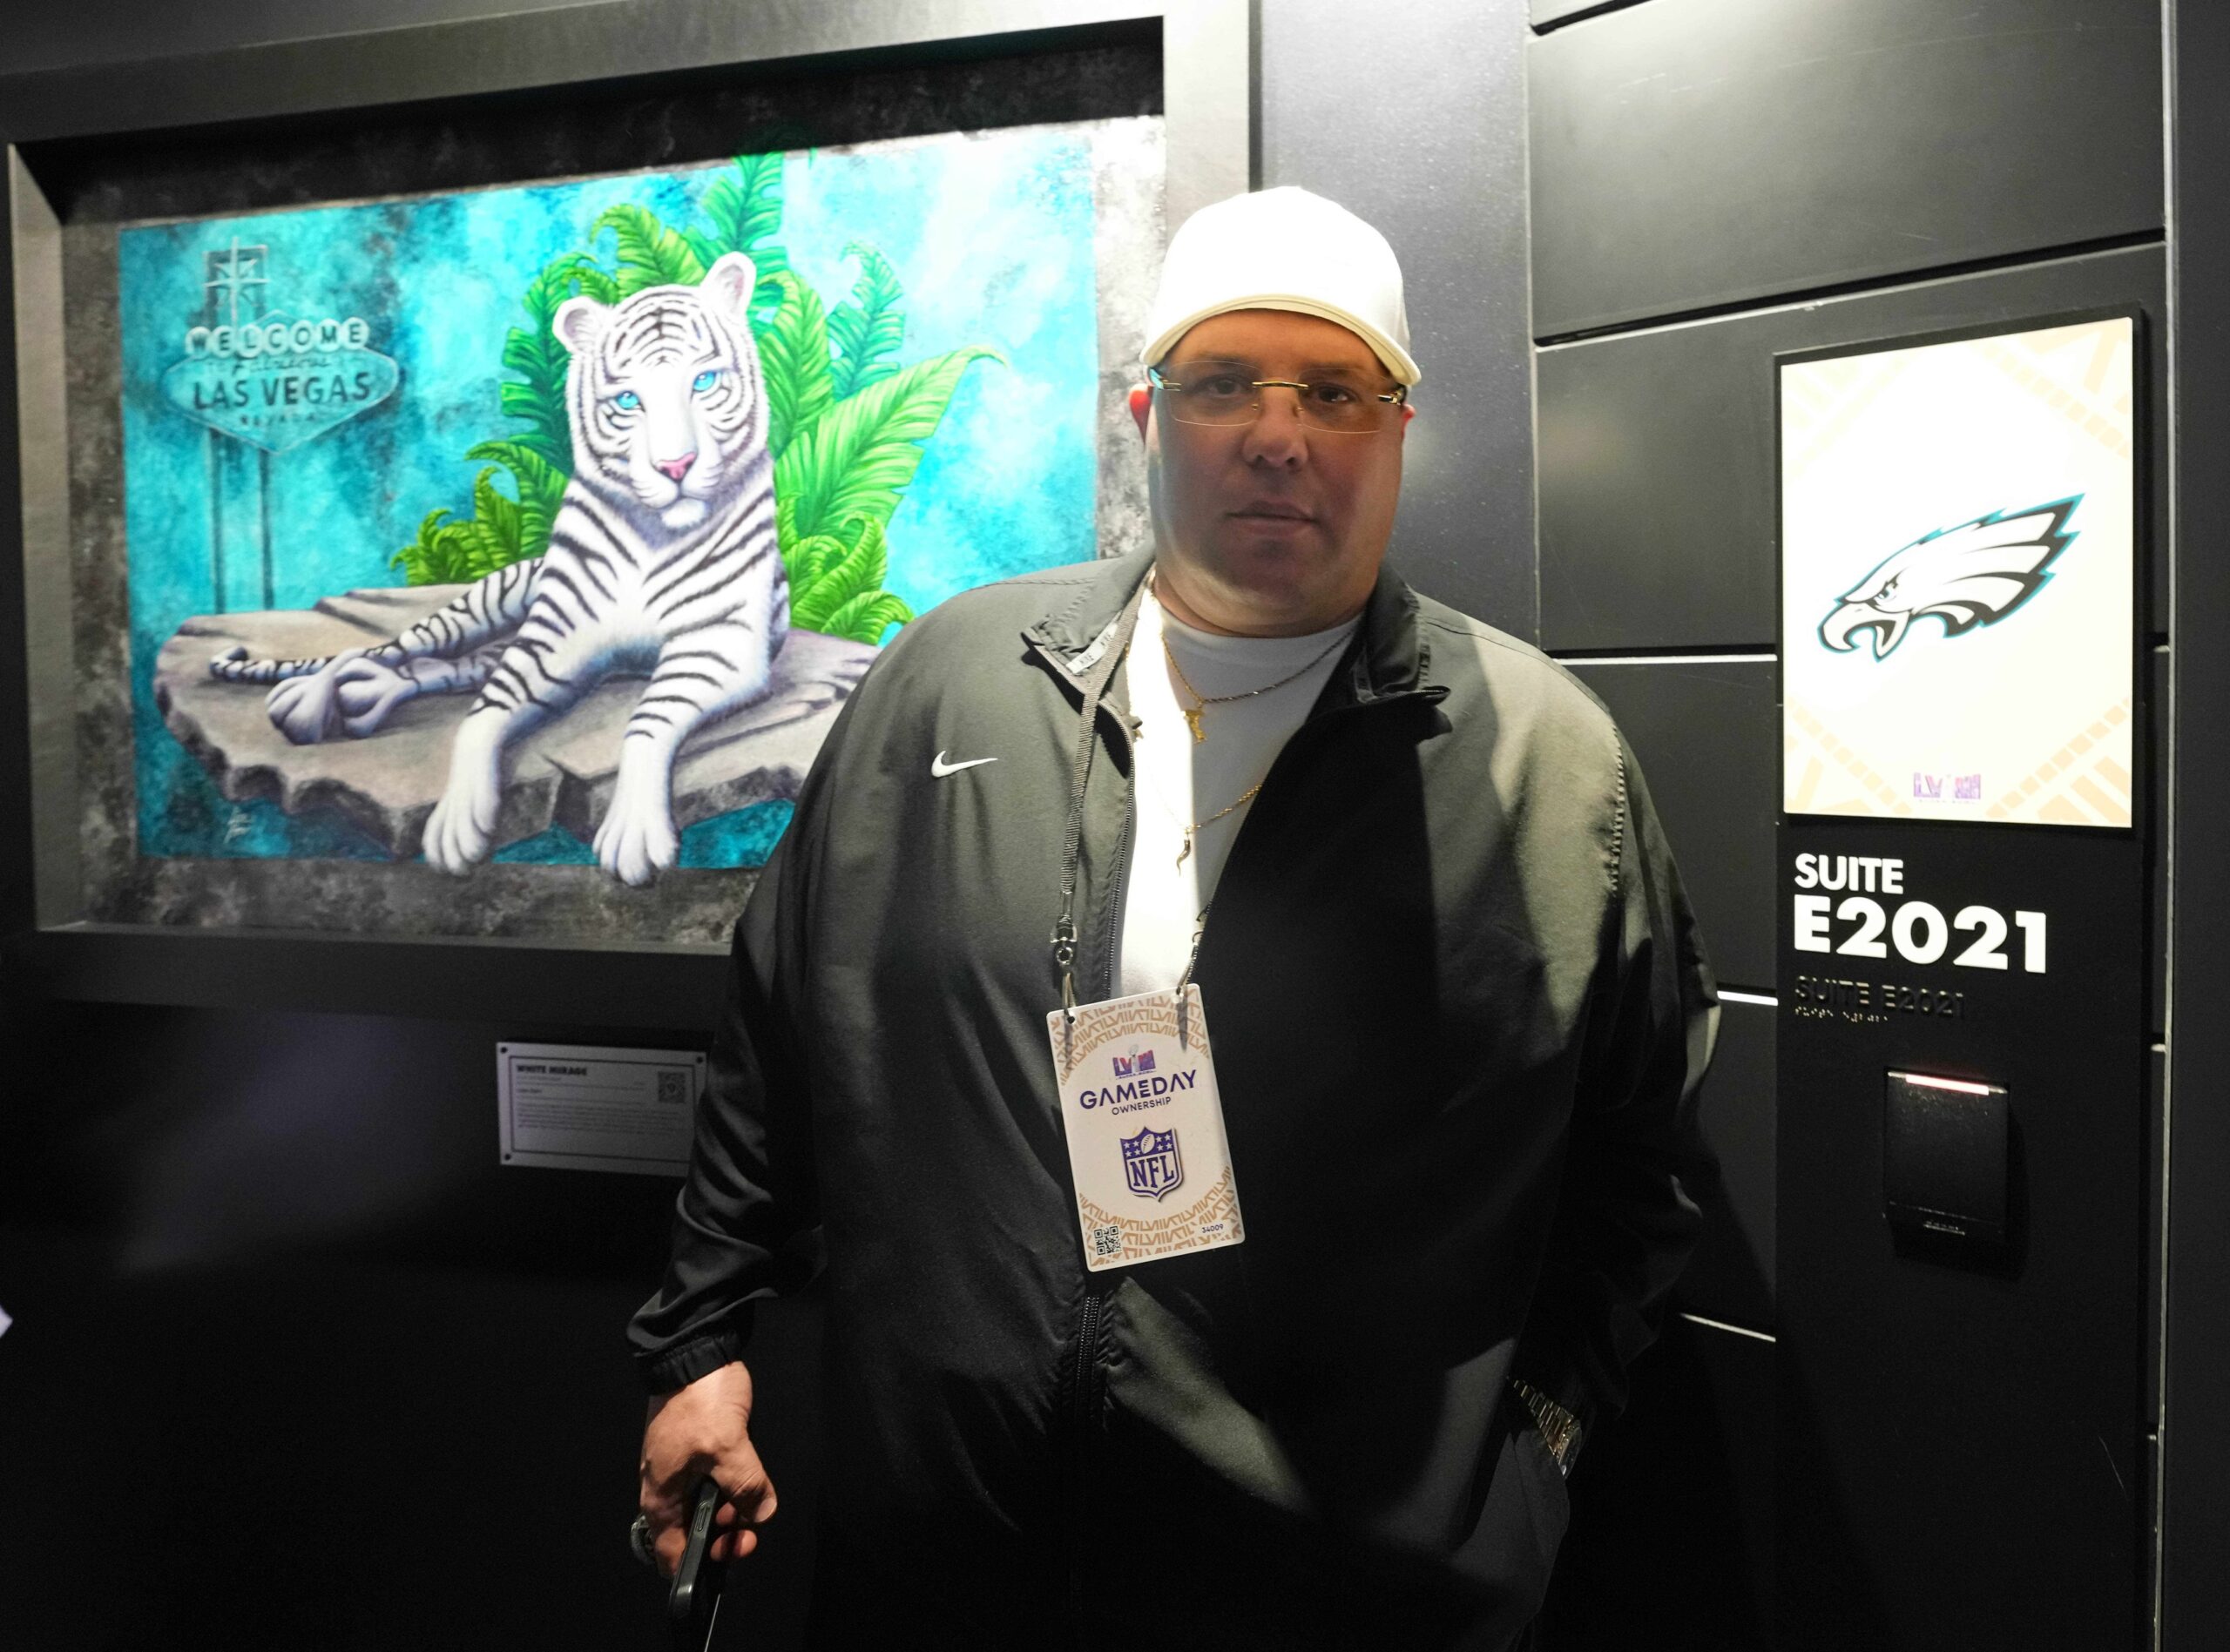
[{"x": 50, "y": 948}]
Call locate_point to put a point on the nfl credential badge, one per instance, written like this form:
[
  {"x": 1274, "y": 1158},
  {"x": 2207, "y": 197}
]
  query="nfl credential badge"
[
  {"x": 1144, "y": 1126},
  {"x": 1151, "y": 1166}
]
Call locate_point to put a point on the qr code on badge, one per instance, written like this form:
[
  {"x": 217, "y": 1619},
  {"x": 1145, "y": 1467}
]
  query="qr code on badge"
[
  {"x": 1107, "y": 1242},
  {"x": 673, "y": 1086}
]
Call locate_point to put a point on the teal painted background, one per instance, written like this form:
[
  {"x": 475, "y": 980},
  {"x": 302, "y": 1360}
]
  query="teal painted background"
[{"x": 992, "y": 233}]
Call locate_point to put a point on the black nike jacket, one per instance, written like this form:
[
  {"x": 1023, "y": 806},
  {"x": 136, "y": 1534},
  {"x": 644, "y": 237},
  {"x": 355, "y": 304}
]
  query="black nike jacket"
[{"x": 1460, "y": 1013}]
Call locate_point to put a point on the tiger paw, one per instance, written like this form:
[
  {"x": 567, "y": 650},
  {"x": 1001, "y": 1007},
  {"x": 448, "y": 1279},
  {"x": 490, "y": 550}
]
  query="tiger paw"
[
  {"x": 365, "y": 693},
  {"x": 303, "y": 708},
  {"x": 636, "y": 841},
  {"x": 462, "y": 828}
]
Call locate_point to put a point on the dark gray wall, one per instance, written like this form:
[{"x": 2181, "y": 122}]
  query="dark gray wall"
[
  {"x": 1418, "y": 123},
  {"x": 2195, "y": 1598},
  {"x": 36, "y": 36},
  {"x": 1695, "y": 154},
  {"x": 1714, "y": 181},
  {"x": 266, "y": 1268}
]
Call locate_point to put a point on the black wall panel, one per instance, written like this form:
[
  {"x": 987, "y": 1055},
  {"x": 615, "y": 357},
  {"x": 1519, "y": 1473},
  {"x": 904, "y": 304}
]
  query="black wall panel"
[
  {"x": 268, "y": 1269},
  {"x": 2195, "y": 1601},
  {"x": 1440, "y": 168},
  {"x": 2158, "y": 676},
  {"x": 1708, "y": 733},
  {"x": 1657, "y": 453},
  {"x": 1967, "y": 1425},
  {"x": 1731, "y": 1277},
  {"x": 1695, "y": 153}
]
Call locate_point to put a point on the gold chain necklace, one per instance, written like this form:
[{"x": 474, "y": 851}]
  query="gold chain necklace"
[
  {"x": 1245, "y": 797},
  {"x": 1194, "y": 712}
]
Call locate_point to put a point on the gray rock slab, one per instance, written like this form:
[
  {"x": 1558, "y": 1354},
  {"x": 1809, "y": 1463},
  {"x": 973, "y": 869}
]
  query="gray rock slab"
[{"x": 562, "y": 774}]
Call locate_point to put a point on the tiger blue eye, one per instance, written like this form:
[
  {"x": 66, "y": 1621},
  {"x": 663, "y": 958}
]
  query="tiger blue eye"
[
  {"x": 706, "y": 381},
  {"x": 626, "y": 402}
]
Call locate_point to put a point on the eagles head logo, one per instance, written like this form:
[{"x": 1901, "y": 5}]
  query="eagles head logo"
[{"x": 1973, "y": 574}]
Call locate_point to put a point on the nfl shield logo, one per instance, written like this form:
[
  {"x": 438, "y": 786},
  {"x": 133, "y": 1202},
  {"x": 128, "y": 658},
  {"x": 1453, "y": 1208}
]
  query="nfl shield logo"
[{"x": 1151, "y": 1166}]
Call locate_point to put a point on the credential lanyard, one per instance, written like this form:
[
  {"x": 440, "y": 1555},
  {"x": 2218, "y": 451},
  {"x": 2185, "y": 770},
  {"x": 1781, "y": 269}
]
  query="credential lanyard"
[{"x": 1118, "y": 641}]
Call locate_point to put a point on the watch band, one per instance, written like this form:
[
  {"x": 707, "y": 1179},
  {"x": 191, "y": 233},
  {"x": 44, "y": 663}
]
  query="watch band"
[{"x": 1559, "y": 1428}]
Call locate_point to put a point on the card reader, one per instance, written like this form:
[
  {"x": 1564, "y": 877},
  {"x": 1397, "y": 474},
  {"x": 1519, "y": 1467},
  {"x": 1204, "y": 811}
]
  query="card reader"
[{"x": 1945, "y": 1160}]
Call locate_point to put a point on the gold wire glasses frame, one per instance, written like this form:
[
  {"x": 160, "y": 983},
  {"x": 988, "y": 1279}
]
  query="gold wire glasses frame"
[{"x": 1226, "y": 393}]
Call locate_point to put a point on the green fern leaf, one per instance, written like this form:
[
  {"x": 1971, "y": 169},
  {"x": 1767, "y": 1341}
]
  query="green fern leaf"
[
  {"x": 403, "y": 555},
  {"x": 858, "y": 457},
  {"x": 415, "y": 558},
  {"x": 540, "y": 486},
  {"x": 857, "y": 572},
  {"x": 537, "y": 396},
  {"x": 786, "y": 523},
  {"x": 745, "y": 206},
  {"x": 556, "y": 452},
  {"x": 868, "y": 539},
  {"x": 522, "y": 401},
  {"x": 457, "y": 564},
  {"x": 811, "y": 560},
  {"x": 650, "y": 254},
  {"x": 441, "y": 559},
  {"x": 794, "y": 353},
  {"x": 536, "y": 478},
  {"x": 867, "y": 617},
  {"x": 496, "y": 517},
  {"x": 868, "y": 328},
  {"x": 485, "y": 548}
]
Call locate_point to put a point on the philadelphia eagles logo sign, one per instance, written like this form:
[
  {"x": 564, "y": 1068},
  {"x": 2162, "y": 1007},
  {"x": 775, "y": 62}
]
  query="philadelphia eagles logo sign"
[{"x": 1973, "y": 574}]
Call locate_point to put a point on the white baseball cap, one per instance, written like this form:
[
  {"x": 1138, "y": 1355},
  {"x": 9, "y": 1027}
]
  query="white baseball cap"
[{"x": 1283, "y": 249}]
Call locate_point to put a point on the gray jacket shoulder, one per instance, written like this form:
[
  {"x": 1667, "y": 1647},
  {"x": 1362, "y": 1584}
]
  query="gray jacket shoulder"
[
  {"x": 964, "y": 622},
  {"x": 1523, "y": 685}
]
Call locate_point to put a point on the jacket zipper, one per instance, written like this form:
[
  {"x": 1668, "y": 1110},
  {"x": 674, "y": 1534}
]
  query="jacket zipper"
[
  {"x": 1084, "y": 1397},
  {"x": 1088, "y": 1361}
]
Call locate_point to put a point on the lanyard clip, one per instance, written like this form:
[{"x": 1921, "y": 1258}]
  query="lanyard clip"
[
  {"x": 1185, "y": 981},
  {"x": 1064, "y": 956}
]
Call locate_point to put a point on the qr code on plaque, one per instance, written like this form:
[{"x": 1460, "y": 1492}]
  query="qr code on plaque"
[
  {"x": 673, "y": 1086},
  {"x": 1107, "y": 1242}
]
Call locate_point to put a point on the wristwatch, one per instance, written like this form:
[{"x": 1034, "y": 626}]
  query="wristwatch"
[{"x": 1559, "y": 1428}]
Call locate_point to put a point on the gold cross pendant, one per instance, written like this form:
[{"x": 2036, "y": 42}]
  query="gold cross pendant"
[{"x": 1192, "y": 722}]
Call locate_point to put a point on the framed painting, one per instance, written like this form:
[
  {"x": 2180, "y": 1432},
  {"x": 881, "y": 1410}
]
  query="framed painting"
[{"x": 465, "y": 470}]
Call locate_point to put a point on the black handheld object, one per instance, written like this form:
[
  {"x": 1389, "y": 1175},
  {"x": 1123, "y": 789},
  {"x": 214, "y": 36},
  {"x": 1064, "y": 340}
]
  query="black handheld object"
[{"x": 693, "y": 1603}]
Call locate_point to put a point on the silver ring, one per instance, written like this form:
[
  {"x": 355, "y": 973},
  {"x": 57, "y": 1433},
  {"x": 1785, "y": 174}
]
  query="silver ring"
[{"x": 638, "y": 1540}]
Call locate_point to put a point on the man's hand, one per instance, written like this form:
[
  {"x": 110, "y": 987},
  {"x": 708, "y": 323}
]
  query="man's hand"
[{"x": 703, "y": 1429}]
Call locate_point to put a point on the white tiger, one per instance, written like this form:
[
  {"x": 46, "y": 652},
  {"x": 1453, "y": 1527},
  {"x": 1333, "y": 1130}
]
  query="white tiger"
[{"x": 662, "y": 559}]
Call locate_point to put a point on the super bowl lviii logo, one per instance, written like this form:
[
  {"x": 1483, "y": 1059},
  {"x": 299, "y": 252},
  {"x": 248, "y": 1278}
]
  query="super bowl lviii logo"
[{"x": 1974, "y": 574}]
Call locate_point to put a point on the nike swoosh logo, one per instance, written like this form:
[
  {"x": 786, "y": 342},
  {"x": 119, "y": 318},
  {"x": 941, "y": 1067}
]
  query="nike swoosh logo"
[{"x": 940, "y": 768}]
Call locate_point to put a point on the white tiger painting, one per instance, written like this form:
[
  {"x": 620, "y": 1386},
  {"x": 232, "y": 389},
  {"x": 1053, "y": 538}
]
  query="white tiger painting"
[{"x": 663, "y": 559}]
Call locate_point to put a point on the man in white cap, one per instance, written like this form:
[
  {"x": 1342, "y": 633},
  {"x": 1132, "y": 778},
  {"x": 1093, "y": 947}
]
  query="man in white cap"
[{"x": 1233, "y": 1025}]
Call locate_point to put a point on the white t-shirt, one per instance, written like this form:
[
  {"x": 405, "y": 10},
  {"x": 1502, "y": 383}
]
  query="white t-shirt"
[{"x": 1181, "y": 780}]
